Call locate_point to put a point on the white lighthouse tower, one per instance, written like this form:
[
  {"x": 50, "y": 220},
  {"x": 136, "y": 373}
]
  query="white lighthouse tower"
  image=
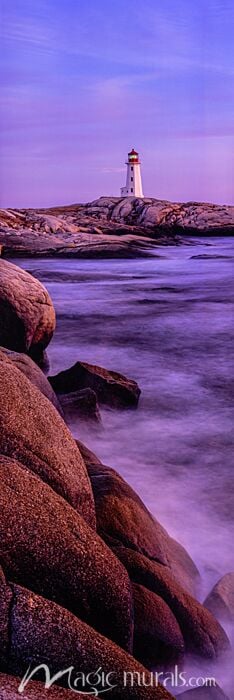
[{"x": 133, "y": 186}]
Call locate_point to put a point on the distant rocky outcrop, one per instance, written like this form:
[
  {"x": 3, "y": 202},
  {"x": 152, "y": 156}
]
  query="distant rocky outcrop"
[
  {"x": 163, "y": 216},
  {"x": 109, "y": 227}
]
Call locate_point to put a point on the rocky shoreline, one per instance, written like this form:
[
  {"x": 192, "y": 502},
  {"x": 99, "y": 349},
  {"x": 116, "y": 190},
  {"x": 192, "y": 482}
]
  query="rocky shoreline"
[
  {"x": 109, "y": 227},
  {"x": 89, "y": 579}
]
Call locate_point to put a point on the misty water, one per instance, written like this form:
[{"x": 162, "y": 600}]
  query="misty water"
[{"x": 168, "y": 323}]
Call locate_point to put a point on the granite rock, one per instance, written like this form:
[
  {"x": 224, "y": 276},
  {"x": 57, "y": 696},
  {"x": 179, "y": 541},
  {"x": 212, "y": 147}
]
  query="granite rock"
[
  {"x": 26, "y": 311},
  {"x": 41, "y": 631},
  {"x": 111, "y": 388},
  {"x": 220, "y": 600},
  {"x": 202, "y": 634},
  {"x": 122, "y": 518},
  {"x": 33, "y": 432},
  {"x": 48, "y": 547}
]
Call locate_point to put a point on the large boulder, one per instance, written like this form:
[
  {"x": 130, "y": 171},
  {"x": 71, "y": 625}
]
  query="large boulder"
[
  {"x": 40, "y": 631},
  {"x": 112, "y": 388},
  {"x": 157, "y": 636},
  {"x": 202, "y": 634},
  {"x": 26, "y": 311},
  {"x": 34, "y": 373},
  {"x": 34, "y": 433},
  {"x": 34, "y": 690},
  {"x": 47, "y": 546},
  {"x": 220, "y": 600},
  {"x": 123, "y": 518}
]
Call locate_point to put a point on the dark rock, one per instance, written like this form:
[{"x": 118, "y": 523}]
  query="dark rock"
[
  {"x": 220, "y": 600},
  {"x": 111, "y": 388},
  {"x": 5, "y": 604},
  {"x": 158, "y": 639},
  {"x": 202, "y": 634},
  {"x": 34, "y": 690},
  {"x": 206, "y": 256},
  {"x": 81, "y": 403},
  {"x": 46, "y": 546},
  {"x": 123, "y": 518},
  {"x": 28, "y": 243},
  {"x": 42, "y": 632},
  {"x": 205, "y": 693},
  {"x": 42, "y": 362},
  {"x": 88, "y": 456},
  {"x": 34, "y": 373},
  {"x": 36, "y": 435},
  {"x": 26, "y": 310}
]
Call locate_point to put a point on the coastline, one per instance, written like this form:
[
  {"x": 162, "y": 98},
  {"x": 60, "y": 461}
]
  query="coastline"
[{"x": 141, "y": 545}]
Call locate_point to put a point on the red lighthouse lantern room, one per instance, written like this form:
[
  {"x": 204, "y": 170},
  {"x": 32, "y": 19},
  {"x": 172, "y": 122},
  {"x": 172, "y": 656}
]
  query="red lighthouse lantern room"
[{"x": 133, "y": 157}]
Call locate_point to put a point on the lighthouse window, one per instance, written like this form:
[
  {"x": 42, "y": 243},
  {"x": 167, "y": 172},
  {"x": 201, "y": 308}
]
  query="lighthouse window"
[
  {"x": 131, "y": 189},
  {"x": 131, "y": 179},
  {"x": 132, "y": 168}
]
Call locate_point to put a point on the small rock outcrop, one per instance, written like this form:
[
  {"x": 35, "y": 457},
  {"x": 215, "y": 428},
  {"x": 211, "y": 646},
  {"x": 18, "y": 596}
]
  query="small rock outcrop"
[
  {"x": 26, "y": 311},
  {"x": 112, "y": 388},
  {"x": 82, "y": 403},
  {"x": 220, "y": 600}
]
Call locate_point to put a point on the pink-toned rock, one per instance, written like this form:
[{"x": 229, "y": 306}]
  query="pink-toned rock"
[
  {"x": 158, "y": 639},
  {"x": 40, "y": 631},
  {"x": 34, "y": 373},
  {"x": 46, "y": 546},
  {"x": 33, "y": 432},
  {"x": 88, "y": 456},
  {"x": 26, "y": 311},
  {"x": 34, "y": 690},
  {"x": 123, "y": 518},
  {"x": 203, "y": 635}
]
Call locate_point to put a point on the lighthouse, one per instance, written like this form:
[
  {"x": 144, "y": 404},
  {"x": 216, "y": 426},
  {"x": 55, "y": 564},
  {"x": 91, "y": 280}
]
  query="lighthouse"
[{"x": 133, "y": 187}]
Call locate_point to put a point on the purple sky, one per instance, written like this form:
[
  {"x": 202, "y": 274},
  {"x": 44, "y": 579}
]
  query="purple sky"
[{"x": 82, "y": 81}]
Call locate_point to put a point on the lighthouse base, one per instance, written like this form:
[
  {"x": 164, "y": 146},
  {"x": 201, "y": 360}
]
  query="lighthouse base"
[{"x": 126, "y": 193}]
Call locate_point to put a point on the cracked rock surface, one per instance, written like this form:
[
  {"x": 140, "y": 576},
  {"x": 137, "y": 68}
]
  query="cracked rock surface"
[{"x": 109, "y": 227}]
